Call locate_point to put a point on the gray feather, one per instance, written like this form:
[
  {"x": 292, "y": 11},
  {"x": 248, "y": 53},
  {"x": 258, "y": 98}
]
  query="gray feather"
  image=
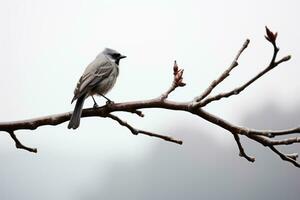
[
  {"x": 98, "y": 78},
  {"x": 75, "y": 118},
  {"x": 97, "y": 71}
]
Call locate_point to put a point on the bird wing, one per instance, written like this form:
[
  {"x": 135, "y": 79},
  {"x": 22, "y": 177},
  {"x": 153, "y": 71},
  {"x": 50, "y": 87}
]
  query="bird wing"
[{"x": 95, "y": 72}]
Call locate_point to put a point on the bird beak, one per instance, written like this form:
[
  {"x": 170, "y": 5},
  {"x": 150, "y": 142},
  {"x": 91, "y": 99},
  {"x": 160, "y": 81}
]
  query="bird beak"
[{"x": 122, "y": 56}]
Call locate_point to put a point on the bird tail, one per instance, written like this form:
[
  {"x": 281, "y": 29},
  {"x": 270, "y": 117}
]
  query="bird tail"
[{"x": 75, "y": 118}]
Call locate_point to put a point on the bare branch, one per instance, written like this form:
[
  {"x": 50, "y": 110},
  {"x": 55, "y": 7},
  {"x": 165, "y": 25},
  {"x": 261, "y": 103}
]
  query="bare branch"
[
  {"x": 237, "y": 90},
  {"x": 270, "y": 133},
  {"x": 293, "y": 156},
  {"x": 137, "y": 112},
  {"x": 242, "y": 151},
  {"x": 284, "y": 59},
  {"x": 224, "y": 75},
  {"x": 286, "y": 157},
  {"x": 19, "y": 145},
  {"x": 262, "y": 137},
  {"x": 265, "y": 141},
  {"x": 287, "y": 141},
  {"x": 138, "y": 131}
]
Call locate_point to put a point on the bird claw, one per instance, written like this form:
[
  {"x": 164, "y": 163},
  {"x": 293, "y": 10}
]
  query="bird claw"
[
  {"x": 109, "y": 102},
  {"x": 95, "y": 105}
]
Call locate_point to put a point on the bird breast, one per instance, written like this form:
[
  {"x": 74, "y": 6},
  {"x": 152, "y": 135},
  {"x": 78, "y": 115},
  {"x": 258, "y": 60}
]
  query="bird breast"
[{"x": 107, "y": 83}]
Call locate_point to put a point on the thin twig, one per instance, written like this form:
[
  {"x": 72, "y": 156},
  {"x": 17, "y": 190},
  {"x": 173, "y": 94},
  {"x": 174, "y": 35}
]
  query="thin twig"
[
  {"x": 19, "y": 145},
  {"x": 242, "y": 151},
  {"x": 224, "y": 75},
  {"x": 137, "y": 112},
  {"x": 286, "y": 157},
  {"x": 293, "y": 156},
  {"x": 136, "y": 131},
  {"x": 237, "y": 90},
  {"x": 287, "y": 141},
  {"x": 272, "y": 133},
  {"x": 265, "y": 141}
]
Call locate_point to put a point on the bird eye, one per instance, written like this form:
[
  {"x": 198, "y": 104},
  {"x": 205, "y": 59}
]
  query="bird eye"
[{"x": 116, "y": 55}]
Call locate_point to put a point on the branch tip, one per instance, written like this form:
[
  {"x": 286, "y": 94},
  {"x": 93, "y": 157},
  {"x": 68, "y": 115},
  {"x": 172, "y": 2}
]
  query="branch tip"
[
  {"x": 19, "y": 145},
  {"x": 293, "y": 156},
  {"x": 286, "y": 58},
  {"x": 242, "y": 151},
  {"x": 135, "y": 131}
]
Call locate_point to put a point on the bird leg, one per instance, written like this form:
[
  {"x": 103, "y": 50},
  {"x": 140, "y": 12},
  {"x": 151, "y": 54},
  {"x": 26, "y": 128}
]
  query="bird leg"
[
  {"x": 108, "y": 100},
  {"x": 95, "y": 103}
]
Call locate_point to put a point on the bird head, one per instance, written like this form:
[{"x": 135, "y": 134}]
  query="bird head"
[{"x": 113, "y": 55}]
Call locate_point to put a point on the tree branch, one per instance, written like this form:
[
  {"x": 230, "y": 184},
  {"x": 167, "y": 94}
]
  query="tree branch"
[
  {"x": 223, "y": 76},
  {"x": 19, "y": 145},
  {"x": 286, "y": 157},
  {"x": 135, "y": 131},
  {"x": 237, "y": 90},
  {"x": 195, "y": 107},
  {"x": 242, "y": 151}
]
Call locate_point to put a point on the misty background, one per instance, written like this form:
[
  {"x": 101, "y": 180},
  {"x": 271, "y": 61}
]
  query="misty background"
[{"x": 45, "y": 46}]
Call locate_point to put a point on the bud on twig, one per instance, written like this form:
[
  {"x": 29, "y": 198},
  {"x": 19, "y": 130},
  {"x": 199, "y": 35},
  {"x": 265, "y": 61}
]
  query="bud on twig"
[
  {"x": 271, "y": 37},
  {"x": 178, "y": 75},
  {"x": 175, "y": 68}
]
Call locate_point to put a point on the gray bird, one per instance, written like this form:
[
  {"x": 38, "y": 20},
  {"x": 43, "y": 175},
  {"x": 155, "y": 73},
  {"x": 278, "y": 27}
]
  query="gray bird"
[{"x": 98, "y": 78}]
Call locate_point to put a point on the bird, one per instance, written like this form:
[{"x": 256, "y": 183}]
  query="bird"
[{"x": 98, "y": 78}]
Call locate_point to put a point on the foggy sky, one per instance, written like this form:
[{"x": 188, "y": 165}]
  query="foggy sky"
[{"x": 45, "y": 46}]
